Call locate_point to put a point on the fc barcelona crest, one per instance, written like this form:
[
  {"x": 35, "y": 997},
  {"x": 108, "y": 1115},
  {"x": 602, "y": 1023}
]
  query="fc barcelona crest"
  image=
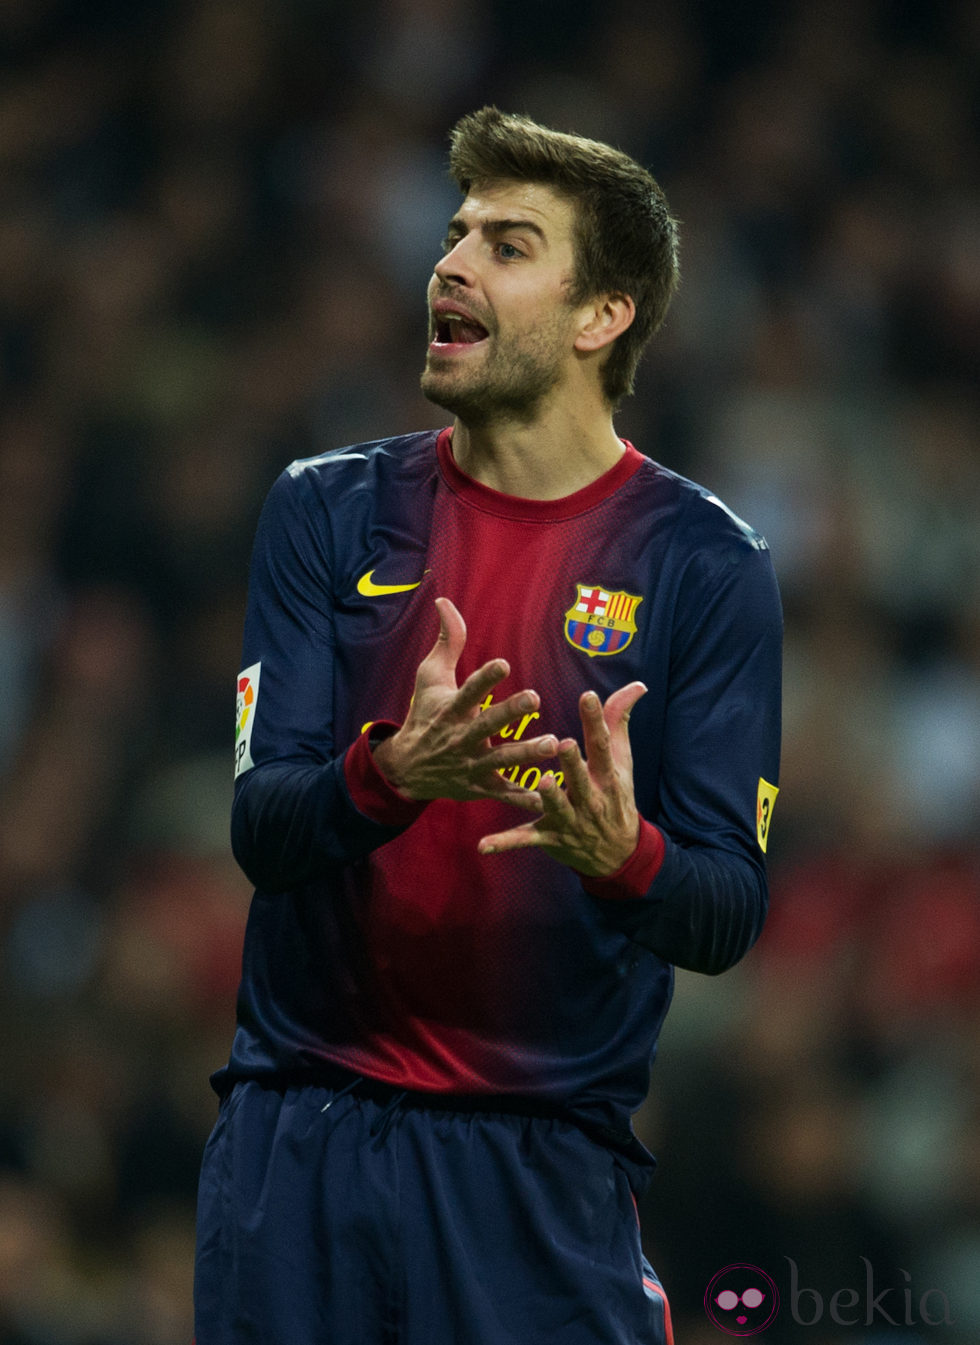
[{"x": 601, "y": 621}]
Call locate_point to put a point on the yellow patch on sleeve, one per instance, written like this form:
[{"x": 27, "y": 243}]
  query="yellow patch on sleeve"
[{"x": 763, "y": 813}]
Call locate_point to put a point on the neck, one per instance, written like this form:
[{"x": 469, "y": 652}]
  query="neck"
[{"x": 556, "y": 454}]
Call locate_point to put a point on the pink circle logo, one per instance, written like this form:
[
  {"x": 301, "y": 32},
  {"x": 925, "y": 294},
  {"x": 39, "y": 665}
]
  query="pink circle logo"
[{"x": 741, "y": 1300}]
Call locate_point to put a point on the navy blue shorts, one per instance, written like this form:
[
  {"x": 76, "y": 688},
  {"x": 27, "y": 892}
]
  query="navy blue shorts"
[{"x": 331, "y": 1217}]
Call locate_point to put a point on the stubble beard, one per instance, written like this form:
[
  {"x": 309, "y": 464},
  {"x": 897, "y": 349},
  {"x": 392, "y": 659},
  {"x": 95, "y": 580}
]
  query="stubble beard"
[{"x": 510, "y": 383}]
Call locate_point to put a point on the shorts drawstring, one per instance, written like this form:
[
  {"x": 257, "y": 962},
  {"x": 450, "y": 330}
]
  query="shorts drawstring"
[
  {"x": 347, "y": 1088},
  {"x": 386, "y": 1118}
]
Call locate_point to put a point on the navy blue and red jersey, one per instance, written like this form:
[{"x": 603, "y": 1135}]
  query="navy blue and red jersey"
[{"x": 378, "y": 940}]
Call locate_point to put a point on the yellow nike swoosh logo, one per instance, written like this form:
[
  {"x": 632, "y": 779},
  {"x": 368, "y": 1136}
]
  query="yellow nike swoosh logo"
[{"x": 369, "y": 589}]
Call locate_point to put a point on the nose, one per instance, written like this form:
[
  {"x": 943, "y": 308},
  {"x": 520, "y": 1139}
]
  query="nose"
[{"x": 454, "y": 266}]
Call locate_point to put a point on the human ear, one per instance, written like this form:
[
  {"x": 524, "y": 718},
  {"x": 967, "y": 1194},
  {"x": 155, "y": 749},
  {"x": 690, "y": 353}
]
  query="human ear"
[{"x": 605, "y": 318}]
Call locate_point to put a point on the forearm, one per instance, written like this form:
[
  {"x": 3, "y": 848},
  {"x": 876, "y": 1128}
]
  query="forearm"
[
  {"x": 291, "y": 823},
  {"x": 703, "y": 909}
]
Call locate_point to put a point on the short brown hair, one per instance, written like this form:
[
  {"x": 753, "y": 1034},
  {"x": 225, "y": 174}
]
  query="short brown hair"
[{"x": 625, "y": 238}]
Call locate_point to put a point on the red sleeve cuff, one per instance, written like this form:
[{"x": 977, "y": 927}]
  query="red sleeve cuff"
[
  {"x": 634, "y": 878},
  {"x": 370, "y": 792}
]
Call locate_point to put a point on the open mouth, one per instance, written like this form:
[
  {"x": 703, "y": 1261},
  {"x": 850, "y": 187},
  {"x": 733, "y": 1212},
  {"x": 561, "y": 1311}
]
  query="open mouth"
[{"x": 453, "y": 329}]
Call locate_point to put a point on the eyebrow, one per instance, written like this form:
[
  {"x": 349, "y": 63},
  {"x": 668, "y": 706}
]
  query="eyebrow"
[{"x": 495, "y": 227}]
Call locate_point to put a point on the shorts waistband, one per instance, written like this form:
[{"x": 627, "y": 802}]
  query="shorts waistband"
[{"x": 339, "y": 1079}]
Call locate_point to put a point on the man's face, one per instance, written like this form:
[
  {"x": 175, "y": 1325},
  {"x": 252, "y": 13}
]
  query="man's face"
[{"x": 501, "y": 331}]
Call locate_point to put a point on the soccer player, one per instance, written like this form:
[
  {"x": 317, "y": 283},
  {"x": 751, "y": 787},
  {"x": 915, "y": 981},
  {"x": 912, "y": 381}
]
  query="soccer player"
[{"x": 507, "y": 750}]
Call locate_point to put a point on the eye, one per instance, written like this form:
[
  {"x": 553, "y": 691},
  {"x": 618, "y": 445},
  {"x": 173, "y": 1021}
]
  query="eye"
[{"x": 508, "y": 252}]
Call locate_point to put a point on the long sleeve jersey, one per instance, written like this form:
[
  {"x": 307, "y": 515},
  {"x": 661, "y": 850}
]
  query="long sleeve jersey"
[{"x": 378, "y": 939}]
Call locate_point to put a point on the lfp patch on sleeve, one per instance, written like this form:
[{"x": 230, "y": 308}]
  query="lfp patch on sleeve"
[
  {"x": 763, "y": 812},
  {"x": 246, "y": 700}
]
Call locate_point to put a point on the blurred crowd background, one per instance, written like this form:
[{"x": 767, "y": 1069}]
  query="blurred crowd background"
[{"x": 217, "y": 219}]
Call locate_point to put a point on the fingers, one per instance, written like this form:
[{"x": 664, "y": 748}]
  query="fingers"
[
  {"x": 605, "y": 729},
  {"x": 595, "y": 731},
  {"x": 517, "y": 838},
  {"x": 463, "y": 741},
  {"x": 439, "y": 665},
  {"x": 515, "y": 795},
  {"x": 438, "y": 669},
  {"x": 554, "y": 814},
  {"x": 520, "y": 709},
  {"x": 620, "y": 703},
  {"x": 476, "y": 687},
  {"x": 452, "y": 630},
  {"x": 474, "y": 692},
  {"x": 557, "y": 808},
  {"x": 591, "y": 823},
  {"x": 576, "y": 770}
]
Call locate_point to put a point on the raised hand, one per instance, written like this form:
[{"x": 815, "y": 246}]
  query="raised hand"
[
  {"x": 592, "y": 824},
  {"x": 443, "y": 750}
]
